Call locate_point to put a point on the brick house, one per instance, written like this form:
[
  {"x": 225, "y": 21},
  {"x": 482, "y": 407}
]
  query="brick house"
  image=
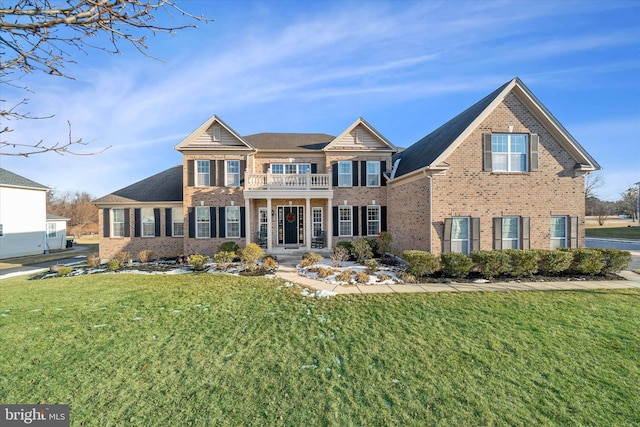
[{"x": 502, "y": 174}]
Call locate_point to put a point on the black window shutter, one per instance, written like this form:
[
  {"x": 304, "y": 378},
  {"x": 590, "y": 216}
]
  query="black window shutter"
[
  {"x": 127, "y": 223},
  {"x": 363, "y": 217},
  {"x": 220, "y": 167},
  {"x": 243, "y": 228},
  {"x": 497, "y": 233},
  {"x": 354, "y": 221},
  {"x": 136, "y": 222},
  {"x": 156, "y": 219},
  {"x": 168, "y": 222},
  {"x": 243, "y": 167},
  {"x": 573, "y": 232},
  {"x": 314, "y": 168},
  {"x": 533, "y": 152},
  {"x": 192, "y": 222},
  {"x": 446, "y": 241},
  {"x": 335, "y": 221},
  {"x": 363, "y": 173},
  {"x": 525, "y": 227},
  {"x": 334, "y": 174},
  {"x": 383, "y": 218},
  {"x": 354, "y": 173},
  {"x": 190, "y": 173},
  {"x": 223, "y": 224},
  {"x": 475, "y": 234},
  {"x": 106, "y": 223},
  {"x": 486, "y": 149},
  {"x": 212, "y": 221},
  {"x": 212, "y": 173},
  {"x": 383, "y": 169}
]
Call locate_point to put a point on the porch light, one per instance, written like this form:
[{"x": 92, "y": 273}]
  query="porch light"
[
  {"x": 201, "y": 202},
  {"x": 272, "y": 212},
  {"x": 373, "y": 202}
]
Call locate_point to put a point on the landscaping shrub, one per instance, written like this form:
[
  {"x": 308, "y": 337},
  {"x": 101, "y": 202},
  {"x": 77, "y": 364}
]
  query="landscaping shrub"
[
  {"x": 114, "y": 265},
  {"x": 614, "y": 260},
  {"x": 383, "y": 277},
  {"x": 372, "y": 266},
  {"x": 553, "y": 261},
  {"x": 347, "y": 245},
  {"x": 455, "y": 264},
  {"x": 362, "y": 250},
  {"x": 325, "y": 272},
  {"x": 311, "y": 259},
  {"x": 586, "y": 261},
  {"x": 344, "y": 276},
  {"x": 93, "y": 260},
  {"x": 406, "y": 277},
  {"x": 229, "y": 247},
  {"x": 223, "y": 259},
  {"x": 197, "y": 261},
  {"x": 250, "y": 255},
  {"x": 145, "y": 255},
  {"x": 269, "y": 263},
  {"x": 340, "y": 255},
  {"x": 373, "y": 245},
  {"x": 522, "y": 263},
  {"x": 384, "y": 242},
  {"x": 421, "y": 263},
  {"x": 362, "y": 277},
  {"x": 491, "y": 263},
  {"x": 123, "y": 257},
  {"x": 63, "y": 271}
]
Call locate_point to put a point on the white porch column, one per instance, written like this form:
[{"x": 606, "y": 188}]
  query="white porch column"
[
  {"x": 307, "y": 223},
  {"x": 329, "y": 232},
  {"x": 269, "y": 223},
  {"x": 247, "y": 219}
]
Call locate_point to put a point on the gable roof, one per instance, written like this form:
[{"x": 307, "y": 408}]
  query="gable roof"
[
  {"x": 371, "y": 129},
  {"x": 289, "y": 141},
  {"x": 186, "y": 143},
  {"x": 10, "y": 179},
  {"x": 433, "y": 149},
  {"x": 165, "y": 186}
]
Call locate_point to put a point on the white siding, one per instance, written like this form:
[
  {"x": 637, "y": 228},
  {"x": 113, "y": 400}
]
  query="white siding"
[
  {"x": 226, "y": 138},
  {"x": 23, "y": 215},
  {"x": 60, "y": 240}
]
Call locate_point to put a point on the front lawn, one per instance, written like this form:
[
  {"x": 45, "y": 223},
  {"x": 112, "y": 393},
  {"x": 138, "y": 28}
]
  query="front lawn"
[
  {"x": 127, "y": 349},
  {"x": 614, "y": 232}
]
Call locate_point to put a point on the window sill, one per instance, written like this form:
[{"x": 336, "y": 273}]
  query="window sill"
[{"x": 509, "y": 173}]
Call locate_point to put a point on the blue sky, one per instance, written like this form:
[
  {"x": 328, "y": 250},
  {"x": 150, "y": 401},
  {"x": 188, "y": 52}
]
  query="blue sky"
[{"x": 310, "y": 66}]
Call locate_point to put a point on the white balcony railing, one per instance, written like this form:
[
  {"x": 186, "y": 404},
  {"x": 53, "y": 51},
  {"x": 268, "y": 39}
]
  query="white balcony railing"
[{"x": 268, "y": 180}]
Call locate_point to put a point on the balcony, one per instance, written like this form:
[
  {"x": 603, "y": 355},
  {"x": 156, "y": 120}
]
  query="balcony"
[{"x": 270, "y": 181}]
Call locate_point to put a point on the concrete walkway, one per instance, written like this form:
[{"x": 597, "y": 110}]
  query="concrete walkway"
[{"x": 288, "y": 272}]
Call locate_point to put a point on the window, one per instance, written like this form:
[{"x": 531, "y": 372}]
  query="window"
[
  {"x": 510, "y": 232},
  {"x": 216, "y": 133},
  {"x": 460, "y": 235},
  {"x": 359, "y": 136},
  {"x": 177, "y": 216},
  {"x": 345, "y": 221},
  {"x": 202, "y": 173},
  {"x": 233, "y": 173},
  {"x": 1, "y": 231},
  {"x": 262, "y": 220},
  {"x": 344, "y": 174},
  {"x": 509, "y": 152},
  {"x": 373, "y": 220},
  {"x": 148, "y": 223},
  {"x": 558, "y": 232},
  {"x": 203, "y": 228},
  {"x": 117, "y": 222},
  {"x": 233, "y": 221},
  {"x": 51, "y": 229},
  {"x": 316, "y": 221},
  {"x": 290, "y": 168},
  {"x": 373, "y": 174}
]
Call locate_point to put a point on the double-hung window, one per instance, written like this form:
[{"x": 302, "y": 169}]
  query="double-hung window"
[
  {"x": 344, "y": 174},
  {"x": 316, "y": 219},
  {"x": 203, "y": 228},
  {"x": 558, "y": 232},
  {"x": 51, "y": 229},
  {"x": 202, "y": 173},
  {"x": 148, "y": 223},
  {"x": 345, "y": 221},
  {"x": 373, "y": 174},
  {"x": 233, "y": 173},
  {"x": 373, "y": 220},
  {"x": 511, "y": 232},
  {"x": 117, "y": 222},
  {"x": 509, "y": 152},
  {"x": 232, "y": 216},
  {"x": 460, "y": 234},
  {"x": 177, "y": 216},
  {"x": 263, "y": 220}
]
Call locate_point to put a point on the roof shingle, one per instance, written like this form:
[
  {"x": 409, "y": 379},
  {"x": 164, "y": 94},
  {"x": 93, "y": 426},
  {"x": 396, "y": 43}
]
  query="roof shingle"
[
  {"x": 165, "y": 186},
  {"x": 11, "y": 179}
]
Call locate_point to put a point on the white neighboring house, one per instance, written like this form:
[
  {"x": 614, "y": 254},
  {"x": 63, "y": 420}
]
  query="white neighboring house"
[
  {"x": 23, "y": 216},
  {"x": 56, "y": 232}
]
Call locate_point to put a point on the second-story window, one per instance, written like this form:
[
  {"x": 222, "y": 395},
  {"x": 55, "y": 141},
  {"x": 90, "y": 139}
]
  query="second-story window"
[
  {"x": 290, "y": 168},
  {"x": 344, "y": 174},
  {"x": 509, "y": 152},
  {"x": 233, "y": 173},
  {"x": 202, "y": 173},
  {"x": 373, "y": 174}
]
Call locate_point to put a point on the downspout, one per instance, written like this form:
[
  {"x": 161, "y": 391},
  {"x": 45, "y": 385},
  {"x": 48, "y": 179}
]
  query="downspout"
[{"x": 430, "y": 213}]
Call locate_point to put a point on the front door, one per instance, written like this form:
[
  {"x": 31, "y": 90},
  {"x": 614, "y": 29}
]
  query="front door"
[{"x": 291, "y": 224}]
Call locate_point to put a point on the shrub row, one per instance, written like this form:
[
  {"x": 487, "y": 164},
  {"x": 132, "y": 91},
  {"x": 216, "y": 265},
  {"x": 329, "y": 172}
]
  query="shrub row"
[{"x": 519, "y": 263}]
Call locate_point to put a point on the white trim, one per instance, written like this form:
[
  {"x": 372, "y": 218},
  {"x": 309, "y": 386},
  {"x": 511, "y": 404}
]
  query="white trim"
[
  {"x": 468, "y": 238},
  {"x": 227, "y": 222},
  {"x": 208, "y": 222},
  {"x": 350, "y": 221},
  {"x": 173, "y": 222},
  {"x": 227, "y": 173},
  {"x": 112, "y": 218}
]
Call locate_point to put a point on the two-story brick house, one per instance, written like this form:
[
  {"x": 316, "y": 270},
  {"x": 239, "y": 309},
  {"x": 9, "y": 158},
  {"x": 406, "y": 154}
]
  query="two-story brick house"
[{"x": 504, "y": 173}]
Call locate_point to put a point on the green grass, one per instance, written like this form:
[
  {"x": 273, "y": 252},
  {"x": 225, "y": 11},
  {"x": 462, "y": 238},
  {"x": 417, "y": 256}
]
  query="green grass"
[
  {"x": 614, "y": 232},
  {"x": 226, "y": 351}
]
